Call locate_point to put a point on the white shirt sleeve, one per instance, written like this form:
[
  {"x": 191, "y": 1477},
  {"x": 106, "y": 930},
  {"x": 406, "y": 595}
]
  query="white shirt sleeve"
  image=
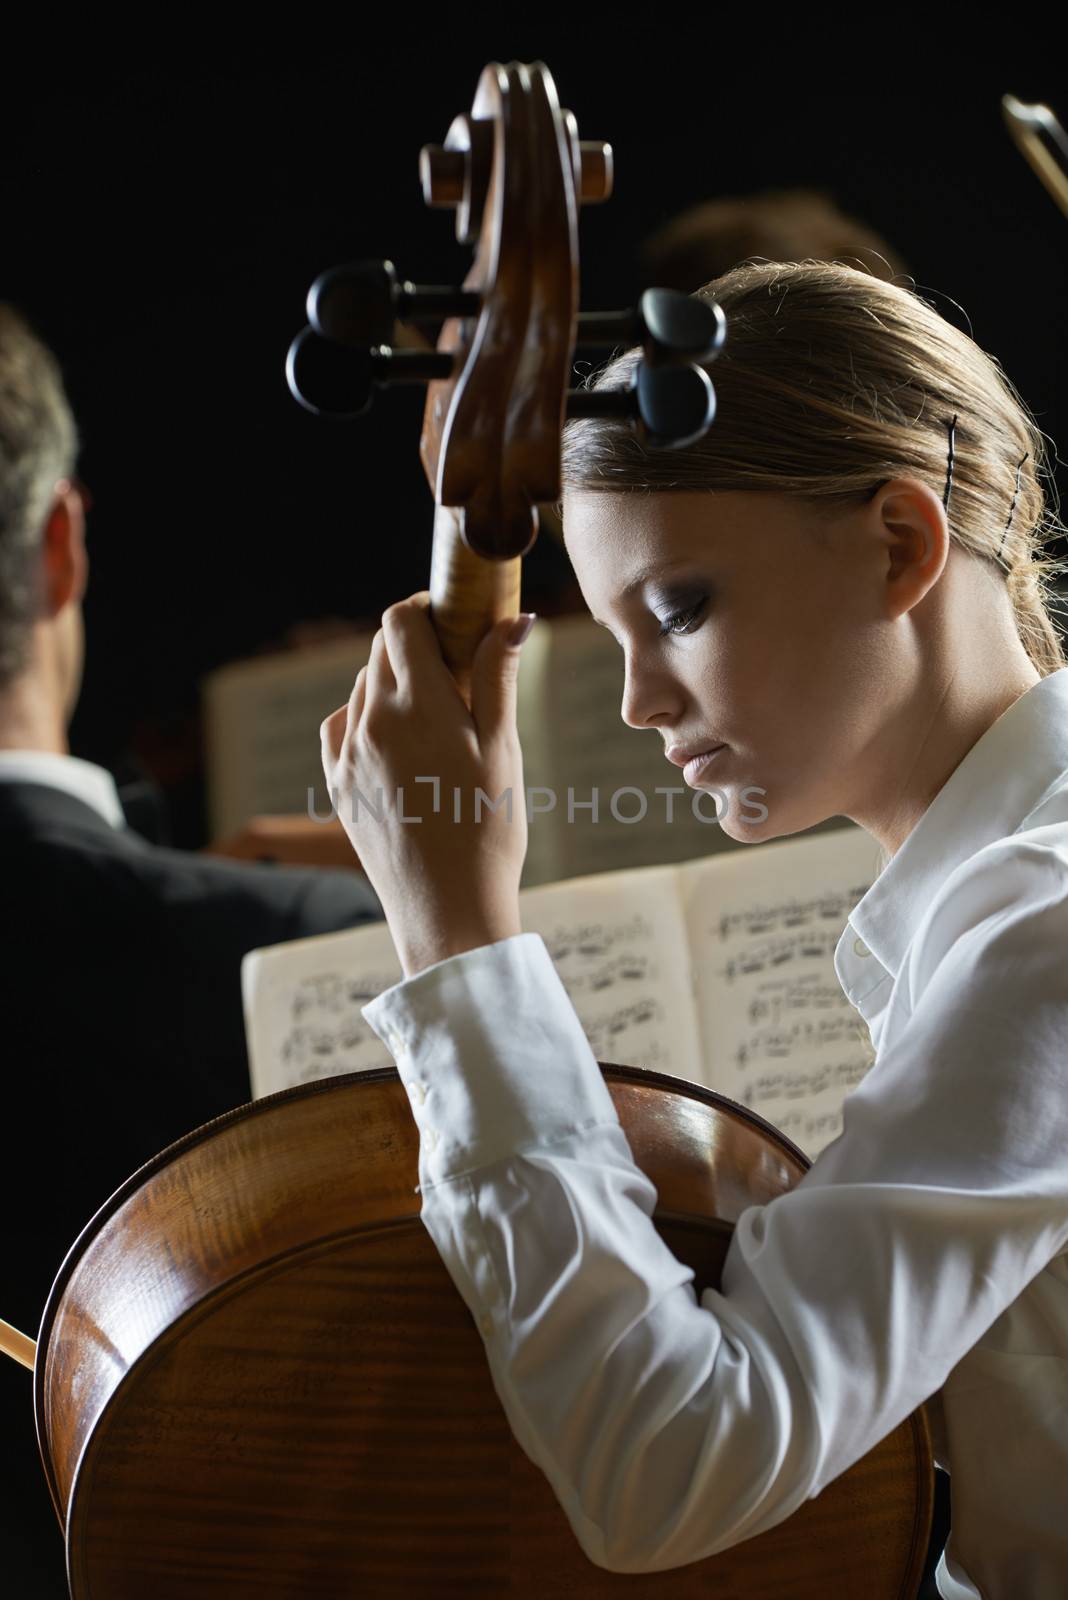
[{"x": 670, "y": 1429}]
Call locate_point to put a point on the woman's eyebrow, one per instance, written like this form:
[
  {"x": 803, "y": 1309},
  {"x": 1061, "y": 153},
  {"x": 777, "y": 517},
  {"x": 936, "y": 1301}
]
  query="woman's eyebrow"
[{"x": 644, "y": 575}]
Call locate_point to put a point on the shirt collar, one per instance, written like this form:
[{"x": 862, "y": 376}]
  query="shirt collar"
[
  {"x": 1005, "y": 776},
  {"x": 82, "y": 779}
]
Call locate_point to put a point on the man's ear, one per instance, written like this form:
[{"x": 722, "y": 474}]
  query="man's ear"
[{"x": 64, "y": 559}]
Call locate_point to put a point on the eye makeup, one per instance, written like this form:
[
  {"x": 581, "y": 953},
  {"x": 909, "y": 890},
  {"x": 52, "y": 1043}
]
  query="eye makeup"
[{"x": 689, "y": 608}]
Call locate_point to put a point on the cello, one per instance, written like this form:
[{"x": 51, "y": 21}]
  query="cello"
[{"x": 254, "y": 1375}]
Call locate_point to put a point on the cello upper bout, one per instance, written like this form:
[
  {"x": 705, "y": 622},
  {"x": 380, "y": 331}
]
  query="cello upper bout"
[{"x": 256, "y": 1376}]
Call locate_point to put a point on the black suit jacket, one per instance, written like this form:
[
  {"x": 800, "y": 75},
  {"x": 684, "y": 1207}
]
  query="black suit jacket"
[{"x": 121, "y": 1028}]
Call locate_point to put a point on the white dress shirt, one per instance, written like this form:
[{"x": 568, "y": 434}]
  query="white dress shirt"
[
  {"x": 83, "y": 779},
  {"x": 924, "y": 1254}
]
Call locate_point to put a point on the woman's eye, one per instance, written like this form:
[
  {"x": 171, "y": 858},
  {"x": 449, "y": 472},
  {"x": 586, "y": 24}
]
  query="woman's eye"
[{"x": 682, "y": 621}]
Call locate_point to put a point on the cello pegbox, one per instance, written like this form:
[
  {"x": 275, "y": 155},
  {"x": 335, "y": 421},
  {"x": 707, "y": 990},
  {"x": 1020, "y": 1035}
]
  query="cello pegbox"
[{"x": 517, "y": 174}]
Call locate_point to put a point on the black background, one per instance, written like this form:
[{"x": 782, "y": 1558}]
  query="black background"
[{"x": 163, "y": 220}]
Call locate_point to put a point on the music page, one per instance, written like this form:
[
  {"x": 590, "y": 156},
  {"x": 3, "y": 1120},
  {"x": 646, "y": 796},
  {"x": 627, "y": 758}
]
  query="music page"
[
  {"x": 778, "y": 1033},
  {"x": 302, "y": 1006},
  {"x": 619, "y": 944},
  {"x": 262, "y": 721},
  {"x": 617, "y": 941}
]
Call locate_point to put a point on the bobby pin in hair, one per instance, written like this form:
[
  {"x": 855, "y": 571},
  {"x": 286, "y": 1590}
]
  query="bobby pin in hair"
[
  {"x": 1012, "y": 508},
  {"x": 952, "y": 426}
]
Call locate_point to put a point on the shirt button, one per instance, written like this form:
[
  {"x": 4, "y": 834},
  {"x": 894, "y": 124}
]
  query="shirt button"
[
  {"x": 485, "y": 1326},
  {"x": 417, "y": 1092},
  {"x": 860, "y": 948},
  {"x": 431, "y": 1137}
]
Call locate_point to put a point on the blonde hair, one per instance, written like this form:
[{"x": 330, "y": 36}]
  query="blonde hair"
[
  {"x": 38, "y": 446},
  {"x": 833, "y": 381}
]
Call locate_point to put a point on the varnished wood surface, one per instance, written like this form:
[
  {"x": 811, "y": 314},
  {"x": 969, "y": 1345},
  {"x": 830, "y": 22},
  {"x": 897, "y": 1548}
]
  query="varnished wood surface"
[
  {"x": 467, "y": 596},
  {"x": 259, "y": 1380},
  {"x": 490, "y": 442},
  {"x": 491, "y": 433}
]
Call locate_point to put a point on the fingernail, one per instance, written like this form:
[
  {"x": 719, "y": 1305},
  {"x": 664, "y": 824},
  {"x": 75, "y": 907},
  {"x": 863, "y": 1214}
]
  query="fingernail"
[{"x": 520, "y": 628}]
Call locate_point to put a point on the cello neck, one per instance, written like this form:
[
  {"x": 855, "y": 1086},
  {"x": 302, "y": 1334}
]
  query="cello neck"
[{"x": 468, "y": 594}]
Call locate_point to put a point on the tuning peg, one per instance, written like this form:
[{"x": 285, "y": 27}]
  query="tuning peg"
[
  {"x": 671, "y": 406},
  {"x": 358, "y": 304},
  {"x": 326, "y": 378},
  {"x": 593, "y": 164},
  {"x": 457, "y": 173},
  {"x": 669, "y": 324},
  {"x": 333, "y": 380},
  {"x": 595, "y": 175},
  {"x": 679, "y": 325},
  {"x": 676, "y": 404}
]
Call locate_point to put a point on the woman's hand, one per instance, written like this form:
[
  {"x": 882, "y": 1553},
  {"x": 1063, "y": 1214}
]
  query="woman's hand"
[{"x": 431, "y": 794}]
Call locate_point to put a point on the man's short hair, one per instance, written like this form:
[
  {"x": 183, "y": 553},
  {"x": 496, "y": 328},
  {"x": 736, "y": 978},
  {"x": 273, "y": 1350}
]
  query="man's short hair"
[{"x": 38, "y": 447}]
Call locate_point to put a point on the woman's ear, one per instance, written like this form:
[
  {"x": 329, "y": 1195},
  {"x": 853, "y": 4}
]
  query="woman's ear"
[
  {"x": 64, "y": 560},
  {"x": 915, "y": 537}
]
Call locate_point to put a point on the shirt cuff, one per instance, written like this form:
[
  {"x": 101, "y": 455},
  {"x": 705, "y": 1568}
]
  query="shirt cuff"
[{"x": 492, "y": 1055}]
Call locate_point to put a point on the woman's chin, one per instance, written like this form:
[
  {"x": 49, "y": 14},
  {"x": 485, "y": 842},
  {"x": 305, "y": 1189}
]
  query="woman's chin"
[
  {"x": 739, "y": 808},
  {"x": 748, "y": 830}
]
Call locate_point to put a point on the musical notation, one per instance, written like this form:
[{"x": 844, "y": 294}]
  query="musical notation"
[
  {"x": 721, "y": 971},
  {"x": 813, "y": 1131},
  {"x": 322, "y": 1030},
  {"x": 832, "y": 908},
  {"x": 617, "y": 1036},
  {"x": 590, "y": 940},
  {"x": 619, "y": 946},
  {"x": 620, "y": 972},
  {"x": 791, "y": 1044},
  {"x": 808, "y": 994},
  {"x": 337, "y": 993},
  {"x": 309, "y": 1053},
  {"x": 806, "y": 1084},
  {"x": 771, "y": 954},
  {"x": 770, "y": 1043}
]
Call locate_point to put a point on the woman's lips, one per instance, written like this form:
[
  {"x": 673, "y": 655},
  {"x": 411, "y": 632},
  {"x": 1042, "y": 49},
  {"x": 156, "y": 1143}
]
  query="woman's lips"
[{"x": 695, "y": 767}]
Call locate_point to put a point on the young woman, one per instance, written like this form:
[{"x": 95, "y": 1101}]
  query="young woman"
[{"x": 840, "y": 590}]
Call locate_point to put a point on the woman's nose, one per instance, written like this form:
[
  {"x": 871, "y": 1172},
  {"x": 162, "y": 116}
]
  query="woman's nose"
[{"x": 649, "y": 698}]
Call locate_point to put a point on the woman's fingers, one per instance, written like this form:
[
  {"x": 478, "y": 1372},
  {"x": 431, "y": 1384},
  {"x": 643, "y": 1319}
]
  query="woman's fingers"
[
  {"x": 333, "y": 729},
  {"x": 357, "y": 698},
  {"x": 381, "y": 681},
  {"x": 331, "y": 735},
  {"x": 415, "y": 654}
]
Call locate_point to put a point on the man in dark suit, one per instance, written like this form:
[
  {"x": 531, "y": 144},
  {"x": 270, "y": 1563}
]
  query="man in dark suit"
[{"x": 121, "y": 1023}]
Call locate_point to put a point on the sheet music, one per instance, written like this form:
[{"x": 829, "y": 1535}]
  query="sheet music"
[
  {"x": 619, "y": 947},
  {"x": 779, "y": 1035},
  {"x": 543, "y": 863},
  {"x": 750, "y": 1006},
  {"x": 262, "y": 720},
  {"x": 302, "y": 1006}
]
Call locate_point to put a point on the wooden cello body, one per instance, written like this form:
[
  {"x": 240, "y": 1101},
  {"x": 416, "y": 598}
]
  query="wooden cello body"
[{"x": 255, "y": 1377}]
